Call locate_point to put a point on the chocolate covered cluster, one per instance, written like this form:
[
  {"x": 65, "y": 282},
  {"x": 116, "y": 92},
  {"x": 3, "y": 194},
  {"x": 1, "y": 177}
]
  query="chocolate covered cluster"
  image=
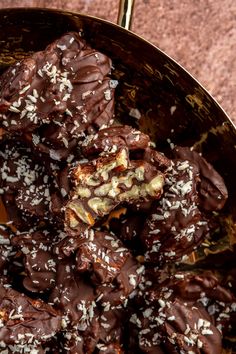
[
  {"x": 96, "y": 223},
  {"x": 55, "y": 97}
]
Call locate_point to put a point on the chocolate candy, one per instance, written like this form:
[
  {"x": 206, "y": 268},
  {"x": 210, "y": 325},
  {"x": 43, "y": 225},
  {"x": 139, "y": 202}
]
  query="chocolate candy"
[
  {"x": 104, "y": 256},
  {"x": 103, "y": 336},
  {"x": 103, "y": 184},
  {"x": 206, "y": 289},
  {"x": 6, "y": 250},
  {"x": 74, "y": 296},
  {"x": 39, "y": 261},
  {"x": 25, "y": 185},
  {"x": 212, "y": 190},
  {"x": 64, "y": 91},
  {"x": 124, "y": 286},
  {"x": 113, "y": 138},
  {"x": 25, "y": 323},
  {"x": 176, "y": 225},
  {"x": 110, "y": 265},
  {"x": 113, "y": 269},
  {"x": 75, "y": 341},
  {"x": 111, "y": 331},
  {"x": 172, "y": 321},
  {"x": 156, "y": 158}
]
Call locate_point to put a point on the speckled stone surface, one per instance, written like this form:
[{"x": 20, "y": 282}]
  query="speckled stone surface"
[{"x": 200, "y": 35}]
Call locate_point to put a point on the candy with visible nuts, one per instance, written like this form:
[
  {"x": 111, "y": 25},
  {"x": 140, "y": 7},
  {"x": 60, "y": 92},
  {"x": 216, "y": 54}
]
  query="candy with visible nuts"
[
  {"x": 103, "y": 184},
  {"x": 98, "y": 227}
]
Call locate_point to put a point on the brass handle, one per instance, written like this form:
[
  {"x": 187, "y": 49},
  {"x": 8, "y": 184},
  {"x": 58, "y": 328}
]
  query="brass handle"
[{"x": 125, "y": 13}]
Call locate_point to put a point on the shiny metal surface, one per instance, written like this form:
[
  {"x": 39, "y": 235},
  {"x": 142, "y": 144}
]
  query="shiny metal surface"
[{"x": 125, "y": 13}]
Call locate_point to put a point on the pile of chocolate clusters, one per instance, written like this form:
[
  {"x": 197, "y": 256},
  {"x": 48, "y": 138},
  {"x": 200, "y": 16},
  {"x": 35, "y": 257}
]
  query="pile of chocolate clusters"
[{"x": 98, "y": 222}]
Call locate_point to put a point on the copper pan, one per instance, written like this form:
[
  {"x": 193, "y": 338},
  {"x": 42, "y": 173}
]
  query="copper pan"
[{"x": 172, "y": 105}]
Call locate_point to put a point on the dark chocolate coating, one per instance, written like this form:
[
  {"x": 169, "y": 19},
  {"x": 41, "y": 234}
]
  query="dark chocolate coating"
[
  {"x": 39, "y": 261},
  {"x": 104, "y": 335},
  {"x": 73, "y": 296},
  {"x": 125, "y": 284},
  {"x": 113, "y": 138},
  {"x": 175, "y": 316},
  {"x": 113, "y": 348},
  {"x": 6, "y": 250},
  {"x": 104, "y": 256},
  {"x": 80, "y": 342},
  {"x": 26, "y": 323},
  {"x": 111, "y": 267},
  {"x": 25, "y": 184},
  {"x": 175, "y": 328},
  {"x": 175, "y": 226},
  {"x": 156, "y": 158},
  {"x": 64, "y": 88},
  {"x": 206, "y": 288},
  {"x": 212, "y": 189}
]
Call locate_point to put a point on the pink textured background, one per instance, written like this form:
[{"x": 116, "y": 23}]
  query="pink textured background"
[{"x": 199, "y": 34}]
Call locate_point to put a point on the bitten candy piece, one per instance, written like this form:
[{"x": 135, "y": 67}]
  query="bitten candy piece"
[
  {"x": 110, "y": 140},
  {"x": 176, "y": 225},
  {"x": 106, "y": 182},
  {"x": 64, "y": 90},
  {"x": 25, "y": 323}
]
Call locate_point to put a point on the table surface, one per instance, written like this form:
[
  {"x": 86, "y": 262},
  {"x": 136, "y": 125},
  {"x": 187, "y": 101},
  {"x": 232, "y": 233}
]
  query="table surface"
[{"x": 200, "y": 35}]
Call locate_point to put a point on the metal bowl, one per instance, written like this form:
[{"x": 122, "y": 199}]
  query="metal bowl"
[{"x": 171, "y": 106}]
